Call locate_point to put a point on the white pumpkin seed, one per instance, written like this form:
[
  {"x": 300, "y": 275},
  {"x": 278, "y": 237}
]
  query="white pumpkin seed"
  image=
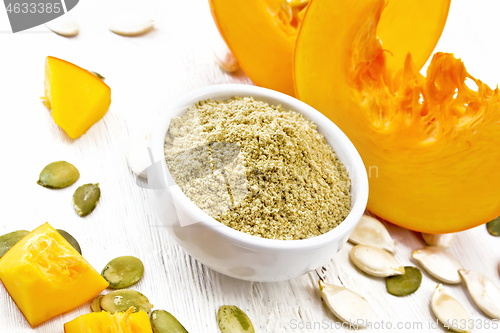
[
  {"x": 375, "y": 261},
  {"x": 130, "y": 24},
  {"x": 483, "y": 291},
  {"x": 371, "y": 231},
  {"x": 346, "y": 305},
  {"x": 439, "y": 263},
  {"x": 64, "y": 25},
  {"x": 138, "y": 158},
  {"x": 223, "y": 55},
  {"x": 440, "y": 240},
  {"x": 449, "y": 311}
]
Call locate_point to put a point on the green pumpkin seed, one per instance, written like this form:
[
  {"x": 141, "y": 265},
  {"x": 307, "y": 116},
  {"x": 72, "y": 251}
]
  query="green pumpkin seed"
[
  {"x": 122, "y": 272},
  {"x": 494, "y": 227},
  {"x": 58, "y": 174},
  {"x": 406, "y": 284},
  {"x": 95, "y": 306},
  {"x": 85, "y": 198},
  {"x": 232, "y": 319},
  {"x": 70, "y": 239},
  {"x": 9, "y": 240},
  {"x": 122, "y": 300},
  {"x": 163, "y": 322},
  {"x": 98, "y": 75}
]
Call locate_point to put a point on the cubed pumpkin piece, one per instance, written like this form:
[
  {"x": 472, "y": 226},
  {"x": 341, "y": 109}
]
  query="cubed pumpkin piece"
[
  {"x": 46, "y": 276},
  {"x": 78, "y": 99},
  {"x": 105, "y": 322}
]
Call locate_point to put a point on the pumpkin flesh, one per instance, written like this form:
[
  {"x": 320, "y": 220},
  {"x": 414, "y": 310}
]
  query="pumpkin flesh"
[
  {"x": 104, "y": 322},
  {"x": 429, "y": 144}
]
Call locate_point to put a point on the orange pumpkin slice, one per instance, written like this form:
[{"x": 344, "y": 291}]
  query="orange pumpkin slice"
[
  {"x": 46, "y": 276},
  {"x": 104, "y": 322},
  {"x": 78, "y": 99},
  {"x": 430, "y": 144}
]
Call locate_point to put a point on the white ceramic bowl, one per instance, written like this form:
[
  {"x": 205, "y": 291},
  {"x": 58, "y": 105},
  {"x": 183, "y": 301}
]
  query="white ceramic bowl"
[{"x": 235, "y": 253}]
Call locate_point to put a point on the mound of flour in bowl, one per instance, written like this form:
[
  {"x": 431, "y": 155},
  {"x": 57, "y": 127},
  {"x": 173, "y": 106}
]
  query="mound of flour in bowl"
[{"x": 258, "y": 169}]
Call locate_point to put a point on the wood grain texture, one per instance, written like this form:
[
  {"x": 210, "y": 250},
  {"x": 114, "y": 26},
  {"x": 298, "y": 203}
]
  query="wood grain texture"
[{"x": 146, "y": 74}]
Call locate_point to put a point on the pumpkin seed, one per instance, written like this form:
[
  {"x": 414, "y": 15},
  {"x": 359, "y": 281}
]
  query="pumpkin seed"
[
  {"x": 9, "y": 240},
  {"x": 163, "y": 322},
  {"x": 122, "y": 272},
  {"x": 231, "y": 319},
  {"x": 64, "y": 25},
  {"x": 406, "y": 284},
  {"x": 122, "y": 300},
  {"x": 85, "y": 198},
  {"x": 95, "y": 306},
  {"x": 346, "y": 305},
  {"x": 483, "y": 291},
  {"x": 98, "y": 75},
  {"x": 375, "y": 261},
  {"x": 70, "y": 239},
  {"x": 371, "y": 231},
  {"x": 439, "y": 263},
  {"x": 494, "y": 227},
  {"x": 130, "y": 24},
  {"x": 58, "y": 174},
  {"x": 440, "y": 240},
  {"x": 223, "y": 55},
  {"x": 449, "y": 311}
]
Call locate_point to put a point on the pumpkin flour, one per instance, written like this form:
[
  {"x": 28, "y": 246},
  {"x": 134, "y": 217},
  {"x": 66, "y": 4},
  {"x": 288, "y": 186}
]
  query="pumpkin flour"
[{"x": 258, "y": 169}]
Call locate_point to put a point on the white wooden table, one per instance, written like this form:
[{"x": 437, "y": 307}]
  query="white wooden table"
[{"x": 146, "y": 74}]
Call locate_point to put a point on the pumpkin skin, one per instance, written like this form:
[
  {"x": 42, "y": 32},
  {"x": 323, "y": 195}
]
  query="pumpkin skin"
[
  {"x": 432, "y": 158},
  {"x": 105, "y": 322},
  {"x": 46, "y": 276}
]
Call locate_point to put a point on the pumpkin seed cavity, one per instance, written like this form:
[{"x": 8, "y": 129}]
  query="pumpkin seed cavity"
[
  {"x": 122, "y": 272},
  {"x": 58, "y": 174},
  {"x": 95, "y": 306},
  {"x": 494, "y": 227},
  {"x": 371, "y": 231},
  {"x": 164, "y": 322},
  {"x": 85, "y": 198},
  {"x": 231, "y": 319},
  {"x": 122, "y": 300},
  {"x": 375, "y": 261},
  {"x": 346, "y": 305},
  {"x": 70, "y": 239},
  {"x": 9, "y": 240},
  {"x": 406, "y": 284},
  {"x": 449, "y": 311},
  {"x": 439, "y": 263}
]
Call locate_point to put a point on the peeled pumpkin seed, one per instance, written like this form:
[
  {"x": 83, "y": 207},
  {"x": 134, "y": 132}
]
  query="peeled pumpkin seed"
[
  {"x": 9, "y": 240},
  {"x": 449, "y": 311},
  {"x": 98, "y": 75},
  {"x": 231, "y": 319},
  {"x": 405, "y": 284},
  {"x": 64, "y": 25},
  {"x": 223, "y": 55},
  {"x": 58, "y": 174},
  {"x": 70, "y": 239},
  {"x": 122, "y": 272},
  {"x": 164, "y": 322},
  {"x": 439, "y": 263},
  {"x": 346, "y": 305},
  {"x": 483, "y": 291},
  {"x": 85, "y": 198},
  {"x": 122, "y": 300},
  {"x": 440, "y": 240},
  {"x": 494, "y": 227},
  {"x": 130, "y": 24},
  {"x": 371, "y": 231},
  {"x": 375, "y": 261},
  {"x": 95, "y": 306}
]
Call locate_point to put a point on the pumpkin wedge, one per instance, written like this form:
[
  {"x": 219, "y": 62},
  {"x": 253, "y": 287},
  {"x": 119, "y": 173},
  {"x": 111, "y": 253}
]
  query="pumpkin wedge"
[
  {"x": 78, "y": 99},
  {"x": 261, "y": 35},
  {"x": 430, "y": 144},
  {"x": 46, "y": 276},
  {"x": 105, "y": 322}
]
